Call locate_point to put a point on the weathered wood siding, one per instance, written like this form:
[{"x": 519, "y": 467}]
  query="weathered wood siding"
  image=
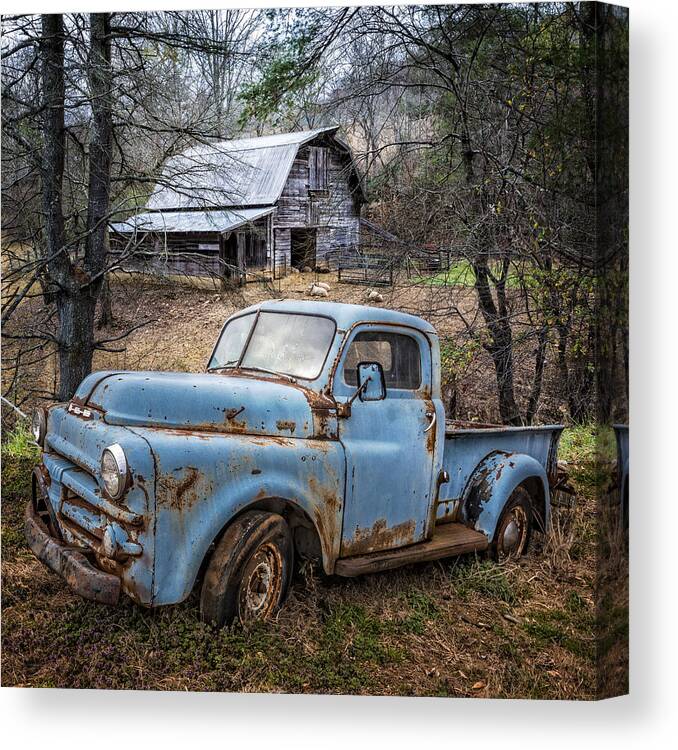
[
  {"x": 294, "y": 201},
  {"x": 282, "y": 241},
  {"x": 192, "y": 254},
  {"x": 334, "y": 211}
]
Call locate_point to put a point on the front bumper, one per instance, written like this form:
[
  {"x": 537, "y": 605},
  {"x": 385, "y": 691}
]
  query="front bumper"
[{"x": 69, "y": 563}]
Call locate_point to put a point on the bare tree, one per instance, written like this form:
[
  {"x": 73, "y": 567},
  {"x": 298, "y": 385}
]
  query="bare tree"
[
  {"x": 90, "y": 115},
  {"x": 505, "y": 166}
]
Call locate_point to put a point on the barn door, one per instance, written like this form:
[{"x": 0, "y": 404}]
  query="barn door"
[
  {"x": 317, "y": 168},
  {"x": 232, "y": 250},
  {"x": 303, "y": 248},
  {"x": 241, "y": 258}
]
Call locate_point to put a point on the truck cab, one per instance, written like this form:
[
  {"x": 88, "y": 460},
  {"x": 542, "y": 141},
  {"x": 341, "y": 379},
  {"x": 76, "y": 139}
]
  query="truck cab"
[{"x": 316, "y": 431}]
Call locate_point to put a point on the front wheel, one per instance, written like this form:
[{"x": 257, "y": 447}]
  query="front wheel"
[
  {"x": 250, "y": 570},
  {"x": 514, "y": 529}
]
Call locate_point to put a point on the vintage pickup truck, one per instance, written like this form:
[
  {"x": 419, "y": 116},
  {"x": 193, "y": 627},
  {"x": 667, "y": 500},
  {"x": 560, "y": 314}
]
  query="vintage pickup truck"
[{"x": 318, "y": 431}]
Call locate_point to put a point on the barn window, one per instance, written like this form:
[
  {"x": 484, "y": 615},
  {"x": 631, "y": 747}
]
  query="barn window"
[
  {"x": 317, "y": 168},
  {"x": 313, "y": 212}
]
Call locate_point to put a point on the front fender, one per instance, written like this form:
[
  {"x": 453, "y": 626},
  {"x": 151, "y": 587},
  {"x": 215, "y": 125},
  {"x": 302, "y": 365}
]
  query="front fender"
[
  {"x": 204, "y": 480},
  {"x": 492, "y": 484}
]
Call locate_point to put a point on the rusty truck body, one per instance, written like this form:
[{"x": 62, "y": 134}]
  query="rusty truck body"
[{"x": 317, "y": 431}]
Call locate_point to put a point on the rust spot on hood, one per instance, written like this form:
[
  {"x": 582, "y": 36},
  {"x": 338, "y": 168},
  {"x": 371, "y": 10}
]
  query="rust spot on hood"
[
  {"x": 232, "y": 413},
  {"x": 284, "y": 424},
  {"x": 314, "y": 399}
]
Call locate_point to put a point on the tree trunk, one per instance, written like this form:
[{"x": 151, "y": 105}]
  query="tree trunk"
[
  {"x": 52, "y": 52},
  {"x": 105, "y": 305},
  {"x": 76, "y": 288},
  {"x": 537, "y": 381},
  {"x": 100, "y": 148},
  {"x": 76, "y": 341},
  {"x": 500, "y": 346}
]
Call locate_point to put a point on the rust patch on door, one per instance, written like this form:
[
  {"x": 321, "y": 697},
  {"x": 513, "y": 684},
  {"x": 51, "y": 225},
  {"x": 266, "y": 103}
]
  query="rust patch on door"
[{"x": 379, "y": 537}]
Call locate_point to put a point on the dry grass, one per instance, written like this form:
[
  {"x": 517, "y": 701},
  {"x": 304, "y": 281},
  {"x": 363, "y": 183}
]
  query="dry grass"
[{"x": 183, "y": 317}]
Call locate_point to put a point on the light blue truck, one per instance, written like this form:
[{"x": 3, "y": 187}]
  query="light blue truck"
[{"x": 318, "y": 431}]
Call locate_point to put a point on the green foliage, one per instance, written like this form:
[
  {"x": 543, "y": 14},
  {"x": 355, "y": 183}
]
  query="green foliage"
[
  {"x": 572, "y": 630},
  {"x": 287, "y": 72},
  {"x": 456, "y": 357},
  {"x": 19, "y": 443},
  {"x": 461, "y": 273},
  {"x": 422, "y": 609},
  {"x": 18, "y": 459},
  {"x": 486, "y": 578},
  {"x": 588, "y": 450}
]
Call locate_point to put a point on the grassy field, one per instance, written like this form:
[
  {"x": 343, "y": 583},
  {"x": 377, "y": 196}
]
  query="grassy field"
[
  {"x": 463, "y": 627},
  {"x": 461, "y": 274}
]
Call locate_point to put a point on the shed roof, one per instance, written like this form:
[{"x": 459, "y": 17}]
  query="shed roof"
[
  {"x": 245, "y": 172},
  {"x": 190, "y": 221}
]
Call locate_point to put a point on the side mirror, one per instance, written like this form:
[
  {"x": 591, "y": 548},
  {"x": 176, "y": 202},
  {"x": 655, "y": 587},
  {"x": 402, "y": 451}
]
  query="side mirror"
[{"x": 371, "y": 382}]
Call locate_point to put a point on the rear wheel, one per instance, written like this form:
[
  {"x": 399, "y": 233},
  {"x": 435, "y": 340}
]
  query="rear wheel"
[
  {"x": 250, "y": 570},
  {"x": 514, "y": 529}
]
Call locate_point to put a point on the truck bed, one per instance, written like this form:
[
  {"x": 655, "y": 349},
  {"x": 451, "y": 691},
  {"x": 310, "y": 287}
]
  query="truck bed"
[{"x": 468, "y": 443}]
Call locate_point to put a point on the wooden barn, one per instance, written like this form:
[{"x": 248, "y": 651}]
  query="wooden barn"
[{"x": 249, "y": 206}]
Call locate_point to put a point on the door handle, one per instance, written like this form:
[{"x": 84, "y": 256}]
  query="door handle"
[{"x": 432, "y": 416}]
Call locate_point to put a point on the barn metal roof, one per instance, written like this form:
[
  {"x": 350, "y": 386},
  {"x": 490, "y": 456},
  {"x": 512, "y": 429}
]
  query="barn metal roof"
[
  {"x": 190, "y": 221},
  {"x": 245, "y": 172}
]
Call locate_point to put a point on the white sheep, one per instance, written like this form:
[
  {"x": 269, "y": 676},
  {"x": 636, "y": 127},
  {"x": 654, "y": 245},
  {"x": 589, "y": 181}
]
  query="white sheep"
[
  {"x": 318, "y": 291},
  {"x": 323, "y": 284},
  {"x": 373, "y": 296}
]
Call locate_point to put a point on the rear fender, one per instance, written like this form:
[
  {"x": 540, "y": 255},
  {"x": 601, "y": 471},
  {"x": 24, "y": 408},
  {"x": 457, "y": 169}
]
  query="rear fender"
[{"x": 492, "y": 484}]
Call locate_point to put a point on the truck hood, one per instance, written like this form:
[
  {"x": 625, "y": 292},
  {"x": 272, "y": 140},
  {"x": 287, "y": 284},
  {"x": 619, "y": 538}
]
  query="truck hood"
[{"x": 242, "y": 403}]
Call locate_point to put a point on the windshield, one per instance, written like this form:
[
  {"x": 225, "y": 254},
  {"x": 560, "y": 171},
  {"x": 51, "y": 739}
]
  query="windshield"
[{"x": 284, "y": 343}]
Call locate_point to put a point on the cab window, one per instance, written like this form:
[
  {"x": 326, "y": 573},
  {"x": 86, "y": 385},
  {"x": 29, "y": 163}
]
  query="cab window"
[{"x": 397, "y": 353}]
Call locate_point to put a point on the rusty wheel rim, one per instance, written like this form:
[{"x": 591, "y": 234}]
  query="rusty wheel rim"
[
  {"x": 513, "y": 534},
  {"x": 261, "y": 584}
]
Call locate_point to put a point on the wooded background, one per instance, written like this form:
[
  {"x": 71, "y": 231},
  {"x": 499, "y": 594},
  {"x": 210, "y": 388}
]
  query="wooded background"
[{"x": 497, "y": 132}]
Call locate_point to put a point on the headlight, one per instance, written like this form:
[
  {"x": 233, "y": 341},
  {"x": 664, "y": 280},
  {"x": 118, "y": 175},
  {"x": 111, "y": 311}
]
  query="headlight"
[
  {"x": 39, "y": 426},
  {"x": 114, "y": 470}
]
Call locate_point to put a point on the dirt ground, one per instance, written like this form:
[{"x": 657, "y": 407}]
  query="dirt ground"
[
  {"x": 181, "y": 322},
  {"x": 464, "y": 627}
]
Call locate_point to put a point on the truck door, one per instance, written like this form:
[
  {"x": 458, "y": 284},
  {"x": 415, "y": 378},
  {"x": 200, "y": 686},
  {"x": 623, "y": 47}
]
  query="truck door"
[{"x": 390, "y": 443}]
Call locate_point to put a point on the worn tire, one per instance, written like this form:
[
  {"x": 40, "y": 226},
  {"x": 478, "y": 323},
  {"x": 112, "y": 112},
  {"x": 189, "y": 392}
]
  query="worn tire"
[
  {"x": 250, "y": 570},
  {"x": 514, "y": 528}
]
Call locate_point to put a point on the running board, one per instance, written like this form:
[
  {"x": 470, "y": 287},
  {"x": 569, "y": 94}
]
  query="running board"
[{"x": 448, "y": 540}]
